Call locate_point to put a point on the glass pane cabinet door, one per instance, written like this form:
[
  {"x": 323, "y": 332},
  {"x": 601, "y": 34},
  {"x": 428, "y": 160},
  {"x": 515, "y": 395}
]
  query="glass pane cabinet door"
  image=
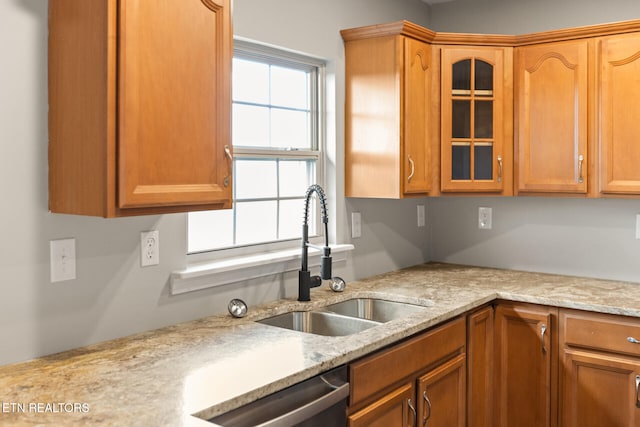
[{"x": 471, "y": 104}]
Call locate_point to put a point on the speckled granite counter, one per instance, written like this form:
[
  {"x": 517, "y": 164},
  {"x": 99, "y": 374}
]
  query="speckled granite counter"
[{"x": 212, "y": 365}]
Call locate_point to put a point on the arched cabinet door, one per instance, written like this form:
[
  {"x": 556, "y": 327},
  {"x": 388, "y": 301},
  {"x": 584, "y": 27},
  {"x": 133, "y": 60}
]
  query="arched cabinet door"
[
  {"x": 620, "y": 113},
  {"x": 551, "y": 102},
  {"x": 476, "y": 151}
]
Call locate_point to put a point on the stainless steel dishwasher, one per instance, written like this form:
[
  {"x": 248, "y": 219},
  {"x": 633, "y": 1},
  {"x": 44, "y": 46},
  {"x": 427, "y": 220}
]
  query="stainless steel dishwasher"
[{"x": 320, "y": 401}]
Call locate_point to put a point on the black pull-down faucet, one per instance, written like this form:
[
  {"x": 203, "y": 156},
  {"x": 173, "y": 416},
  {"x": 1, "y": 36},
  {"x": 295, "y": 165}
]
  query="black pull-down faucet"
[{"x": 305, "y": 280}]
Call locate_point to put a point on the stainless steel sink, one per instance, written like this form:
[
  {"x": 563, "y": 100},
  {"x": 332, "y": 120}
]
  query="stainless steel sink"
[
  {"x": 374, "y": 309},
  {"x": 320, "y": 323}
]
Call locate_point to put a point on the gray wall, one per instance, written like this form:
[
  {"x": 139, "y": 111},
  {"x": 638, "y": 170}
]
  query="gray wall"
[
  {"x": 526, "y": 16},
  {"x": 113, "y": 296},
  {"x": 558, "y": 235}
]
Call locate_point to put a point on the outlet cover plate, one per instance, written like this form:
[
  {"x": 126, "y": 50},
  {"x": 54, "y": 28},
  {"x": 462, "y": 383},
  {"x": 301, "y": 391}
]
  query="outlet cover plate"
[
  {"x": 149, "y": 248},
  {"x": 485, "y": 218}
]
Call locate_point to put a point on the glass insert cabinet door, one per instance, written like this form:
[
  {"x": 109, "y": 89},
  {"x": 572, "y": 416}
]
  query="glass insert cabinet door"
[{"x": 472, "y": 115}]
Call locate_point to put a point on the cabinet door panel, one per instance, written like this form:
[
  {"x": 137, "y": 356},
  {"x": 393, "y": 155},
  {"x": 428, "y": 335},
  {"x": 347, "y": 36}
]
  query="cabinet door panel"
[
  {"x": 620, "y": 127},
  {"x": 599, "y": 390},
  {"x": 442, "y": 395},
  {"x": 480, "y": 368},
  {"x": 552, "y": 117},
  {"x": 417, "y": 81},
  {"x": 476, "y": 90},
  {"x": 391, "y": 410},
  {"x": 174, "y": 102},
  {"x": 525, "y": 349}
]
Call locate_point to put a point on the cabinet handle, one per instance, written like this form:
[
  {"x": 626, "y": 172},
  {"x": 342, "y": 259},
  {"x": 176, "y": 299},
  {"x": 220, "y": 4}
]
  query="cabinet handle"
[
  {"x": 227, "y": 151},
  {"x": 499, "y": 168},
  {"x": 428, "y": 402},
  {"x": 637, "y": 387},
  {"x": 632, "y": 340},
  {"x": 580, "y": 162},
  {"x": 543, "y": 330},
  {"x": 413, "y": 409},
  {"x": 413, "y": 168}
]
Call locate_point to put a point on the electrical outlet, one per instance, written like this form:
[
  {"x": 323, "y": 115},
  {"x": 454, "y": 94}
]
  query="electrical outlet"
[
  {"x": 62, "y": 255},
  {"x": 421, "y": 216},
  {"x": 356, "y": 225},
  {"x": 149, "y": 248},
  {"x": 484, "y": 218}
]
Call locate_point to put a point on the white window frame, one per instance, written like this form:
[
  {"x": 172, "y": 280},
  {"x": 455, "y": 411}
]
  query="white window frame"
[{"x": 223, "y": 266}]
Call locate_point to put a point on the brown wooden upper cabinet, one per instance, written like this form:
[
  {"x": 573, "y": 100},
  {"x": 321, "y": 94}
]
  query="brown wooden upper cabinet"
[
  {"x": 552, "y": 95},
  {"x": 477, "y": 119},
  {"x": 387, "y": 111},
  {"x": 619, "y": 68},
  {"x": 139, "y": 106}
]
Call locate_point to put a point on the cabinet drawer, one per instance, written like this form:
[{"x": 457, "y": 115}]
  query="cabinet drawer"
[
  {"x": 374, "y": 373},
  {"x": 605, "y": 332}
]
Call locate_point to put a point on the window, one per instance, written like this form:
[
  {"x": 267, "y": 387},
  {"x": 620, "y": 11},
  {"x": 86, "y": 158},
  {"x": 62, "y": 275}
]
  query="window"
[{"x": 277, "y": 150}]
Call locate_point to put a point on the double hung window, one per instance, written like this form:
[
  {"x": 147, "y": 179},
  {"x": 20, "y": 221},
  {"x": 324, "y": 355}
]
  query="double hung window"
[{"x": 277, "y": 134}]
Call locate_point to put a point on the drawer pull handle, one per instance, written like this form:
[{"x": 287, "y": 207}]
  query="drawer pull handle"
[
  {"x": 415, "y": 414},
  {"x": 413, "y": 168},
  {"x": 499, "y": 168},
  {"x": 543, "y": 330},
  {"x": 637, "y": 387},
  {"x": 428, "y": 402},
  {"x": 632, "y": 340}
]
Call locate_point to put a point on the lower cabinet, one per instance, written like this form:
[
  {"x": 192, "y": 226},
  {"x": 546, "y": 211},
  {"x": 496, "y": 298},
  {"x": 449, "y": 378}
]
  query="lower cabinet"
[
  {"x": 600, "y": 364},
  {"x": 508, "y": 365},
  {"x": 525, "y": 367},
  {"x": 420, "y": 382}
]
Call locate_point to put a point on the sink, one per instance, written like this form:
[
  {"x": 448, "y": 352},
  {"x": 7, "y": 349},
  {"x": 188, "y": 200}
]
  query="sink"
[
  {"x": 374, "y": 309},
  {"x": 320, "y": 323}
]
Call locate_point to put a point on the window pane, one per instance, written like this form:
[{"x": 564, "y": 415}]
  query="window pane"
[
  {"x": 483, "y": 161},
  {"x": 291, "y": 214},
  {"x": 210, "y": 230},
  {"x": 289, "y": 88},
  {"x": 461, "y": 162},
  {"x": 483, "y": 119},
  {"x": 250, "y": 81},
  {"x": 256, "y": 179},
  {"x": 461, "y": 119},
  {"x": 461, "y": 75},
  {"x": 256, "y": 222},
  {"x": 484, "y": 77},
  {"x": 250, "y": 126},
  {"x": 295, "y": 177},
  {"x": 290, "y": 129}
]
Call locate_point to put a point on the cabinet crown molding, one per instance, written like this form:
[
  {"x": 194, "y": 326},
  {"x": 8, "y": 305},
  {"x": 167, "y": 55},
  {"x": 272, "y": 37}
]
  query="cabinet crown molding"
[{"x": 410, "y": 29}]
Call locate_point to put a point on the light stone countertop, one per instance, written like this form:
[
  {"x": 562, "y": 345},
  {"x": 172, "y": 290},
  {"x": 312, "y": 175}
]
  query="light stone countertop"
[{"x": 212, "y": 365}]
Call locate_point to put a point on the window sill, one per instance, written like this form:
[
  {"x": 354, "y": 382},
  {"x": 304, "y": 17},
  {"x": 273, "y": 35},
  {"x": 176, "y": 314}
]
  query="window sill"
[{"x": 210, "y": 274}]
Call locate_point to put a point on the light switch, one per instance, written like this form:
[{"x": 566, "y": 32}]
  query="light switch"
[
  {"x": 356, "y": 225},
  {"x": 62, "y": 259}
]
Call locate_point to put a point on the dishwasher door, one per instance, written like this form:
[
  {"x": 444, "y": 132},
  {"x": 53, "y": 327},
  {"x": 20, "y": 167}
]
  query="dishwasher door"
[{"x": 320, "y": 401}]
